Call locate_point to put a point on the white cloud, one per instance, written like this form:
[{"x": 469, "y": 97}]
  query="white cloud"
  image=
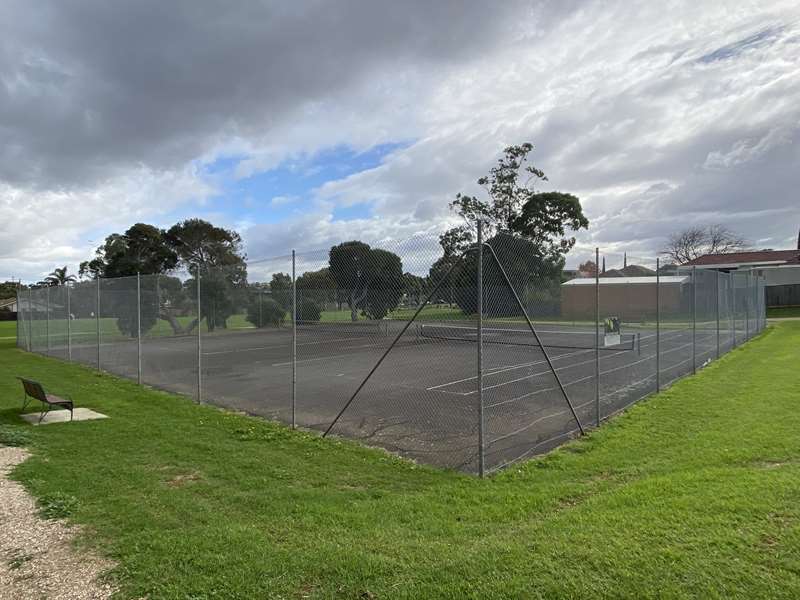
[{"x": 655, "y": 123}]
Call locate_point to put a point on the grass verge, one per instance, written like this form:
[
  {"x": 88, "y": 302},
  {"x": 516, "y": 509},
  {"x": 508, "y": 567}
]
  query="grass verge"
[
  {"x": 693, "y": 493},
  {"x": 788, "y": 312}
]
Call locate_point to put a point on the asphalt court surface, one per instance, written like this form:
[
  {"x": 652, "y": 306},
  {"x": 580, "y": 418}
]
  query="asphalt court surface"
[{"x": 422, "y": 402}]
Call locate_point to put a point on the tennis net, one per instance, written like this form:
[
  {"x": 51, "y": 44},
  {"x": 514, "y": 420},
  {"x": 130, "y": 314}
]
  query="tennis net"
[{"x": 524, "y": 337}]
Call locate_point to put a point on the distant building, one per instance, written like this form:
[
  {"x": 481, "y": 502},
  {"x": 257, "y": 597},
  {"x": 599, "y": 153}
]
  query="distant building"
[
  {"x": 780, "y": 269},
  {"x": 632, "y": 299}
]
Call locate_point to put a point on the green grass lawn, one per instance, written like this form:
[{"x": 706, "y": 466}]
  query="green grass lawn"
[
  {"x": 692, "y": 493},
  {"x": 783, "y": 313}
]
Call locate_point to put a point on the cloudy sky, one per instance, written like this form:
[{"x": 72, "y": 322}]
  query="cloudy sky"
[{"x": 302, "y": 124}]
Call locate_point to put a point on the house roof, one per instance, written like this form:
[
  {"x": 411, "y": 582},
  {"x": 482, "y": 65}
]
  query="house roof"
[
  {"x": 664, "y": 279},
  {"x": 752, "y": 257}
]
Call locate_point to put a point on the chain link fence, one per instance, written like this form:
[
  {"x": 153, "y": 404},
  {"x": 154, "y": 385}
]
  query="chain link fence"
[{"x": 470, "y": 359}]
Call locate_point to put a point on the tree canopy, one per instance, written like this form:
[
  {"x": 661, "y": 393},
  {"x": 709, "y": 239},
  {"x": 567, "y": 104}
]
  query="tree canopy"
[
  {"x": 141, "y": 249},
  {"x": 367, "y": 279},
  {"x": 694, "y": 242},
  {"x": 529, "y": 230}
]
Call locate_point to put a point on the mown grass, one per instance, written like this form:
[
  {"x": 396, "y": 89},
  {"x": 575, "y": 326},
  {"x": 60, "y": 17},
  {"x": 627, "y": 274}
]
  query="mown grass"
[
  {"x": 788, "y": 312},
  {"x": 693, "y": 493}
]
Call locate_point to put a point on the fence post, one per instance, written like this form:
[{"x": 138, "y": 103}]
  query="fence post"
[
  {"x": 658, "y": 324},
  {"x": 199, "y": 341},
  {"x": 294, "y": 340},
  {"x": 481, "y": 439},
  {"x": 47, "y": 318},
  {"x": 716, "y": 298},
  {"x": 747, "y": 309},
  {"x": 694, "y": 319},
  {"x": 138, "y": 328},
  {"x": 97, "y": 322},
  {"x": 30, "y": 320},
  {"x": 69, "y": 327},
  {"x": 597, "y": 335},
  {"x": 732, "y": 287},
  {"x": 260, "y": 316}
]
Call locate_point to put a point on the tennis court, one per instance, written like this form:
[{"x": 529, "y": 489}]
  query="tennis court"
[
  {"x": 409, "y": 384},
  {"x": 423, "y": 400}
]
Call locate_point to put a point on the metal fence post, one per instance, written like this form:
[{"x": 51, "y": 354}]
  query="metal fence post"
[
  {"x": 481, "y": 438},
  {"x": 716, "y": 298},
  {"x": 69, "y": 326},
  {"x": 294, "y": 341},
  {"x": 597, "y": 335},
  {"x": 30, "y": 320},
  {"x": 97, "y": 322},
  {"x": 694, "y": 319},
  {"x": 732, "y": 287},
  {"x": 747, "y": 309},
  {"x": 139, "y": 328},
  {"x": 658, "y": 324},
  {"x": 199, "y": 342},
  {"x": 47, "y": 318}
]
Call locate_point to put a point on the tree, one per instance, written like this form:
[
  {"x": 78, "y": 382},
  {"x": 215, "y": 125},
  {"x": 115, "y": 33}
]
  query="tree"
[
  {"x": 59, "y": 277},
  {"x": 8, "y": 289},
  {"x": 385, "y": 283},
  {"x": 587, "y": 269},
  {"x": 141, "y": 249},
  {"x": 368, "y": 279},
  {"x": 698, "y": 240},
  {"x": 281, "y": 289},
  {"x": 413, "y": 287},
  {"x": 519, "y": 222},
  {"x": 216, "y": 254},
  {"x": 317, "y": 286},
  {"x": 514, "y": 206}
]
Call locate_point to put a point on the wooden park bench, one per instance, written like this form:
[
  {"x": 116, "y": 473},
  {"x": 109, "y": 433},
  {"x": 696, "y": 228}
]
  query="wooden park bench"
[{"x": 35, "y": 391}]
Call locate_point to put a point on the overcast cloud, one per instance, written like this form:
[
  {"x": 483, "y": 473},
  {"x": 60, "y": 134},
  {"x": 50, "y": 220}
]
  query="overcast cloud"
[{"x": 656, "y": 115}]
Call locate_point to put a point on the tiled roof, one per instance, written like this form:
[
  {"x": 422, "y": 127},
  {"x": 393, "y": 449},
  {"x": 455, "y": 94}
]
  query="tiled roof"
[{"x": 757, "y": 256}]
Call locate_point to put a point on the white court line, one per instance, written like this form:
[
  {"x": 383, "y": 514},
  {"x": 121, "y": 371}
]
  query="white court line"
[
  {"x": 582, "y": 379},
  {"x": 350, "y": 339},
  {"x": 504, "y": 369},
  {"x": 507, "y": 368}
]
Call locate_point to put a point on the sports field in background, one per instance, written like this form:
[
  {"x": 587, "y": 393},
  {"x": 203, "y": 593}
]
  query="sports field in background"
[{"x": 691, "y": 493}]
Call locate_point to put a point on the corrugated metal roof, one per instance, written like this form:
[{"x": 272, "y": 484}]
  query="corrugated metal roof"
[{"x": 664, "y": 279}]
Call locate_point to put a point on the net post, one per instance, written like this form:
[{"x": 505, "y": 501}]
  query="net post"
[
  {"x": 716, "y": 298},
  {"x": 138, "y": 328},
  {"x": 69, "y": 326},
  {"x": 658, "y": 324},
  {"x": 294, "y": 339},
  {"x": 260, "y": 317},
  {"x": 479, "y": 290},
  {"x": 597, "y": 335},
  {"x": 199, "y": 340},
  {"x": 47, "y": 318},
  {"x": 97, "y": 321}
]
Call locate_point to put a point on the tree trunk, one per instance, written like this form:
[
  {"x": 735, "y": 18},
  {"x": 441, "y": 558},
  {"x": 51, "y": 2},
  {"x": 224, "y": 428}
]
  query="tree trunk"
[{"x": 173, "y": 322}]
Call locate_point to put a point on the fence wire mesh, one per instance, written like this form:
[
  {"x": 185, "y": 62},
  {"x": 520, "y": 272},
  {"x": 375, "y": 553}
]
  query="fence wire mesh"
[{"x": 468, "y": 359}]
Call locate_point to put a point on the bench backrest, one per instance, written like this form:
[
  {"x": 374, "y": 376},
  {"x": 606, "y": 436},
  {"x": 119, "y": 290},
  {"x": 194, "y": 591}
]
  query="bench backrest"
[{"x": 33, "y": 389}]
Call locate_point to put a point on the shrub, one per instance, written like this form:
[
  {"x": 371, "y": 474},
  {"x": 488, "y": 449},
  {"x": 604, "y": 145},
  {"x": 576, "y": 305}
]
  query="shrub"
[
  {"x": 308, "y": 310},
  {"x": 265, "y": 312}
]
